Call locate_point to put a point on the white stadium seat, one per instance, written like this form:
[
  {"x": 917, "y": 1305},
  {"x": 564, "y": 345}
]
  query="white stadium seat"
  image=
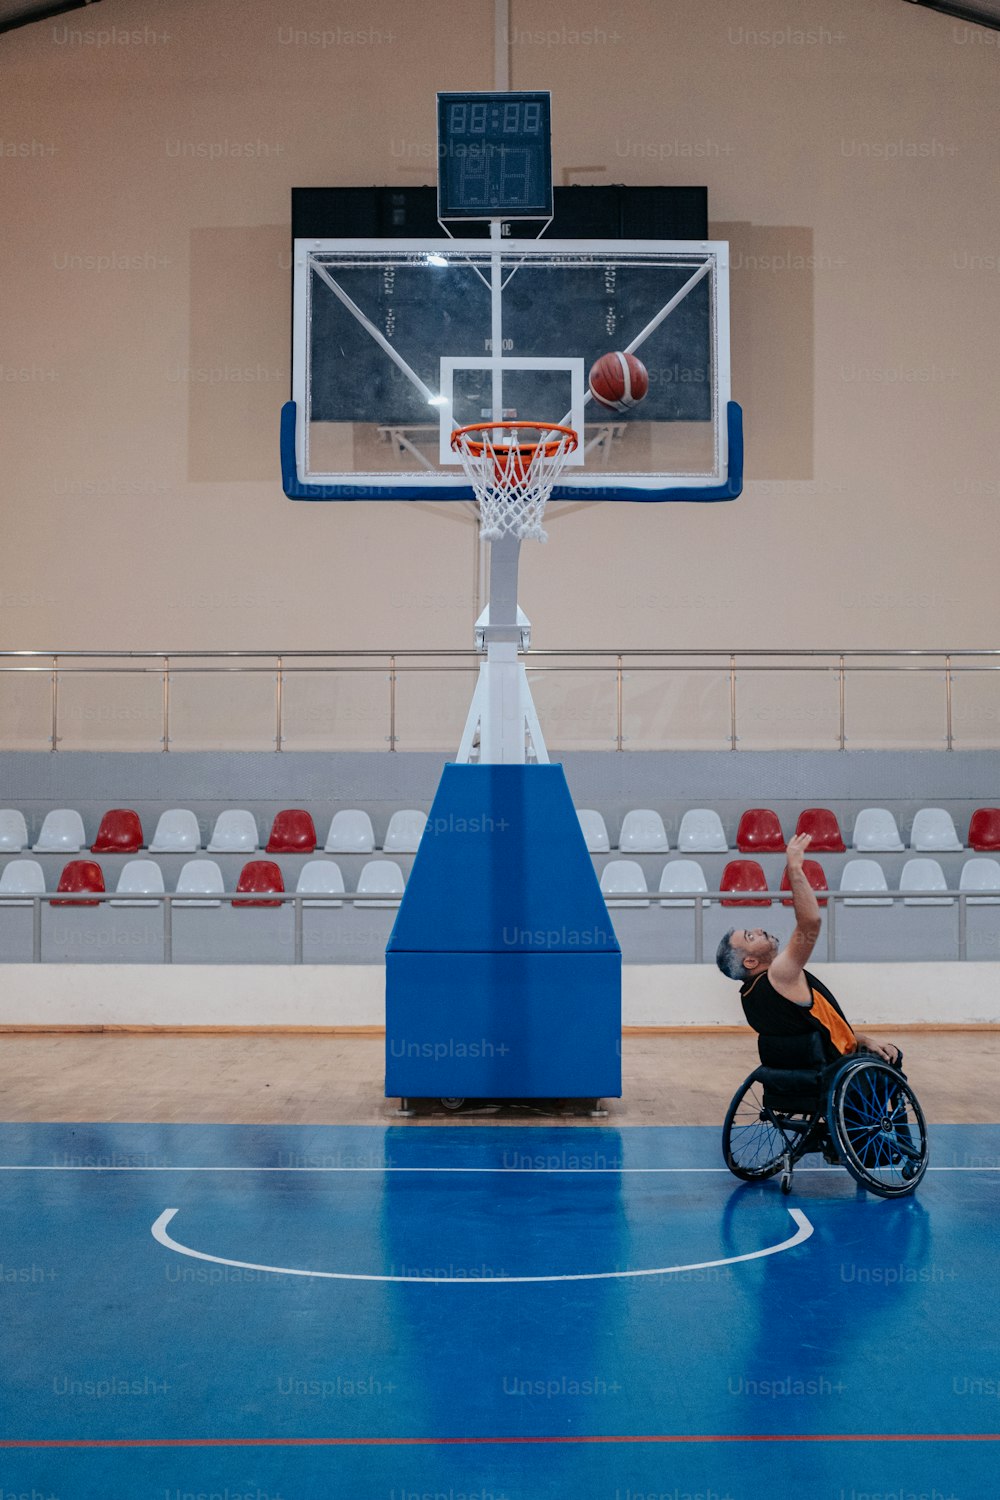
[
  {"x": 621, "y": 876},
  {"x": 924, "y": 875},
  {"x": 643, "y": 833},
  {"x": 139, "y": 875},
  {"x": 62, "y": 832},
  {"x": 405, "y": 831},
  {"x": 682, "y": 875},
  {"x": 381, "y": 877},
  {"x": 177, "y": 832},
  {"x": 864, "y": 875},
  {"x": 875, "y": 831},
  {"x": 13, "y": 831},
  {"x": 701, "y": 832},
  {"x": 934, "y": 831},
  {"x": 203, "y": 876},
  {"x": 981, "y": 875},
  {"x": 594, "y": 831},
  {"x": 23, "y": 876},
  {"x": 323, "y": 877},
  {"x": 235, "y": 832},
  {"x": 351, "y": 832}
]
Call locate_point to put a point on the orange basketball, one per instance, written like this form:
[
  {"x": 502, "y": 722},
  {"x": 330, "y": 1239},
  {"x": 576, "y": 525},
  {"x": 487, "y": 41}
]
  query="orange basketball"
[{"x": 618, "y": 381}]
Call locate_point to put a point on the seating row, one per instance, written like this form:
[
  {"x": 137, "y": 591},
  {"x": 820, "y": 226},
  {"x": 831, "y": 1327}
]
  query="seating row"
[
  {"x": 203, "y": 877},
  {"x": 643, "y": 832},
  {"x": 875, "y": 831},
  {"x": 744, "y": 877},
  {"x": 235, "y": 832}
]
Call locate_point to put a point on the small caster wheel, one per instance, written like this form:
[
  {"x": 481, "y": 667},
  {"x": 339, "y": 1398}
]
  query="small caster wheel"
[
  {"x": 786, "y": 1182},
  {"x": 452, "y": 1105}
]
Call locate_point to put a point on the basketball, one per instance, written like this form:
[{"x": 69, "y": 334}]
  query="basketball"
[{"x": 618, "y": 381}]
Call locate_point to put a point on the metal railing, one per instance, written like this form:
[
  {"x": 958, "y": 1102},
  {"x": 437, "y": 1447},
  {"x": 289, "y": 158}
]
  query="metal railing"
[
  {"x": 698, "y": 900},
  {"x": 839, "y": 666}
]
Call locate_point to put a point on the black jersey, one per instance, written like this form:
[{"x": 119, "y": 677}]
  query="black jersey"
[{"x": 771, "y": 1014}]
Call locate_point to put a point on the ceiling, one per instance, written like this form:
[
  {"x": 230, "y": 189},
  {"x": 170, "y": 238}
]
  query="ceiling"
[{"x": 20, "y": 12}]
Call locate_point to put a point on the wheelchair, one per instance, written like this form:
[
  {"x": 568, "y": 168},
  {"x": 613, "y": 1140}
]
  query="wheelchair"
[{"x": 858, "y": 1111}]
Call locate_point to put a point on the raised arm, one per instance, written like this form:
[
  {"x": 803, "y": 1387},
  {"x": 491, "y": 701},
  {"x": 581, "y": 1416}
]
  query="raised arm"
[{"x": 785, "y": 972}]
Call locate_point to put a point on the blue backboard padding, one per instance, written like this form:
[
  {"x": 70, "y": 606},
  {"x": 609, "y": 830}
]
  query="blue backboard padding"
[
  {"x": 505, "y": 1025},
  {"x": 503, "y": 867},
  {"x": 298, "y": 489}
]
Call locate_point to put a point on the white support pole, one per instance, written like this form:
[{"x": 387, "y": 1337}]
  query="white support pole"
[{"x": 501, "y": 45}]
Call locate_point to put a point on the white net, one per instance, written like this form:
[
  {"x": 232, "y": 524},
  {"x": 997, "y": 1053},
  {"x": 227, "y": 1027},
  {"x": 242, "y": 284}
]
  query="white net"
[{"x": 513, "y": 479}]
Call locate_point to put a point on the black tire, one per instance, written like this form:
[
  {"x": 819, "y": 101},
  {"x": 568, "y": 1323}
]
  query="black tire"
[
  {"x": 756, "y": 1142},
  {"x": 878, "y": 1127},
  {"x": 452, "y": 1105}
]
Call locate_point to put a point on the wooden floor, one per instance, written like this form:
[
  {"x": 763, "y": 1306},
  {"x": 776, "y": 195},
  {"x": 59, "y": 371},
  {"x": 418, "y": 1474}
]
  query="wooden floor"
[{"x": 671, "y": 1079}]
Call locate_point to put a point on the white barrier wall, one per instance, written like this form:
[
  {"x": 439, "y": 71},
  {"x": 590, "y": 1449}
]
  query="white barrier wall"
[{"x": 70, "y": 995}]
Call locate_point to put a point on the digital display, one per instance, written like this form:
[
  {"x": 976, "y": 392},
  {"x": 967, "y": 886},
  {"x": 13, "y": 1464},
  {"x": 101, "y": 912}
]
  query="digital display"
[{"x": 494, "y": 156}]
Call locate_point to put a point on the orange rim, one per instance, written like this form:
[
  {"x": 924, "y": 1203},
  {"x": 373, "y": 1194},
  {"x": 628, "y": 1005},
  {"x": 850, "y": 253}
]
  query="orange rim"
[{"x": 526, "y": 451}]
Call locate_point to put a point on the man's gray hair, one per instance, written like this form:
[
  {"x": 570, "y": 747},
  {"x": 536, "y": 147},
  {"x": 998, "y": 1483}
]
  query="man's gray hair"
[{"x": 730, "y": 959}]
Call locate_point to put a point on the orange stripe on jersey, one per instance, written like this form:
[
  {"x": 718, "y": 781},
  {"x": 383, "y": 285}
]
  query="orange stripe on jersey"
[{"x": 841, "y": 1035}]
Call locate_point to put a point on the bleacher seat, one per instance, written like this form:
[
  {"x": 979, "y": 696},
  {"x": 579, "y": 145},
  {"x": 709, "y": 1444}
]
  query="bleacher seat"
[
  {"x": 594, "y": 831},
  {"x": 760, "y": 832},
  {"x": 864, "y": 875},
  {"x": 813, "y": 871},
  {"x": 682, "y": 875},
  {"x": 292, "y": 832},
  {"x": 406, "y": 829},
  {"x": 13, "y": 831},
  {"x": 934, "y": 831},
  {"x": 924, "y": 875},
  {"x": 701, "y": 832},
  {"x": 202, "y": 876},
  {"x": 381, "y": 877},
  {"x": 984, "y": 828},
  {"x": 643, "y": 832},
  {"x": 120, "y": 832},
  {"x": 621, "y": 876},
  {"x": 823, "y": 830},
  {"x": 981, "y": 875},
  {"x": 177, "y": 832},
  {"x": 23, "y": 877},
  {"x": 235, "y": 832},
  {"x": 80, "y": 875},
  {"x": 350, "y": 832},
  {"x": 260, "y": 875},
  {"x": 875, "y": 831},
  {"x": 744, "y": 875},
  {"x": 139, "y": 875},
  {"x": 321, "y": 876},
  {"x": 62, "y": 832}
]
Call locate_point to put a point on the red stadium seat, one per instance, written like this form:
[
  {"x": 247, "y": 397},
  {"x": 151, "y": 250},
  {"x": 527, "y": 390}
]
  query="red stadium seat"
[
  {"x": 760, "y": 832},
  {"x": 984, "y": 828},
  {"x": 744, "y": 875},
  {"x": 80, "y": 875},
  {"x": 823, "y": 829},
  {"x": 813, "y": 872},
  {"x": 120, "y": 833},
  {"x": 293, "y": 832},
  {"x": 260, "y": 875}
]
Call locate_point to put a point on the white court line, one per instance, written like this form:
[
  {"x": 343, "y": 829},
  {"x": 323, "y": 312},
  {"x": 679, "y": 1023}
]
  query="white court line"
[
  {"x": 803, "y": 1232},
  {"x": 502, "y": 1171}
]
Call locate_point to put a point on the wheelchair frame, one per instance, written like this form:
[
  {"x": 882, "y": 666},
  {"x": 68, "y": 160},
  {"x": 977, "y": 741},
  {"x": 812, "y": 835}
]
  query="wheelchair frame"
[{"x": 859, "y": 1111}]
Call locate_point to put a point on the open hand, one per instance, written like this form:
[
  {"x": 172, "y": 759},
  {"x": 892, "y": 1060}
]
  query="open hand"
[{"x": 795, "y": 853}]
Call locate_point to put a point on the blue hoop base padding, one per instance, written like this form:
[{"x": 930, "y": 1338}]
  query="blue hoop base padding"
[
  {"x": 296, "y": 489},
  {"x": 503, "y": 971}
]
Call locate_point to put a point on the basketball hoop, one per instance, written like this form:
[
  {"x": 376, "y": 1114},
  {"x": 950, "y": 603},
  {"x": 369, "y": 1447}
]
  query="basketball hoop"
[{"x": 513, "y": 479}]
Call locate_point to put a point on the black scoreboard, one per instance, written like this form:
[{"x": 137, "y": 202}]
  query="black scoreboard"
[{"x": 495, "y": 156}]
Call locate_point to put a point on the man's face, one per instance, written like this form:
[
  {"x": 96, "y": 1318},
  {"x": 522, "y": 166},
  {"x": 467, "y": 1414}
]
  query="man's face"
[{"x": 757, "y": 946}]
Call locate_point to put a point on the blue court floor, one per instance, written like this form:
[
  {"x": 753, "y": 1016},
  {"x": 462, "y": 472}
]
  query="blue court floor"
[{"x": 505, "y": 1313}]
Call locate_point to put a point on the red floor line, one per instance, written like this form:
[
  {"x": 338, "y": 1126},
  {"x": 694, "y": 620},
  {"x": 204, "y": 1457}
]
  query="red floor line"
[{"x": 414, "y": 1442}]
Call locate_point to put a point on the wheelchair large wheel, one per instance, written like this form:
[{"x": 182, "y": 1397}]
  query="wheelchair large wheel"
[
  {"x": 757, "y": 1141},
  {"x": 878, "y": 1127}
]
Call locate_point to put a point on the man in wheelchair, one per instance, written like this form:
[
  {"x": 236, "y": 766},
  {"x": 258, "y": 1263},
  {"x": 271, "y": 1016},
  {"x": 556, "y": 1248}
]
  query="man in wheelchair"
[
  {"x": 822, "y": 1086},
  {"x": 781, "y": 999}
]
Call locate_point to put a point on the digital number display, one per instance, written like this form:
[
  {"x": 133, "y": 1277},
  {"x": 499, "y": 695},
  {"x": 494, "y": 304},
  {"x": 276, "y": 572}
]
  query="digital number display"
[{"x": 494, "y": 156}]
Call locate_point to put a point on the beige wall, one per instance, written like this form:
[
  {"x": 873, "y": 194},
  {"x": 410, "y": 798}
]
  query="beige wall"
[{"x": 850, "y": 154}]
